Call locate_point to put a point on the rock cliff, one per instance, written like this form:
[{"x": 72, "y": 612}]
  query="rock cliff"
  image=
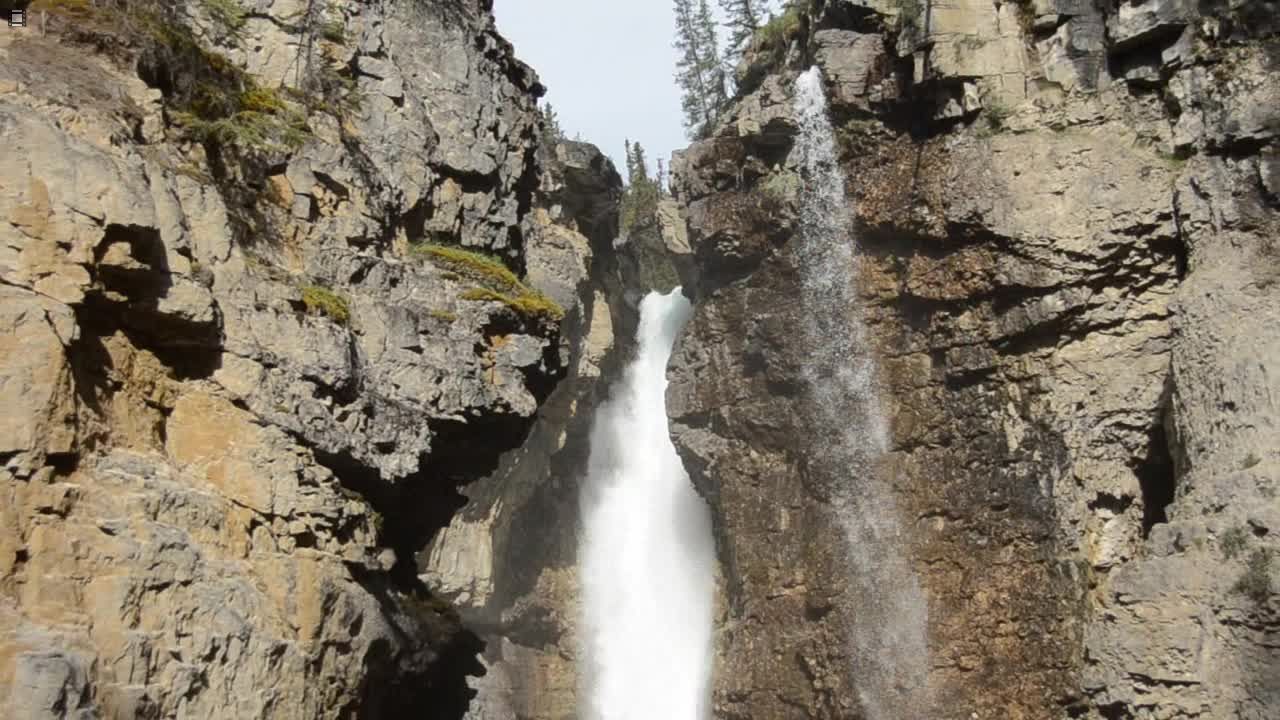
[
  {"x": 1066, "y": 220},
  {"x": 304, "y": 324},
  {"x": 276, "y": 283}
]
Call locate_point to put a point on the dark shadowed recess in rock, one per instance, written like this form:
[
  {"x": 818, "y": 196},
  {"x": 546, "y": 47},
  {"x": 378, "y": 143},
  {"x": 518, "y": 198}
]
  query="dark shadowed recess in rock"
[
  {"x": 413, "y": 510},
  {"x": 525, "y": 188},
  {"x": 418, "y": 682},
  {"x": 125, "y": 300},
  {"x": 1156, "y": 480},
  {"x": 1115, "y": 711}
]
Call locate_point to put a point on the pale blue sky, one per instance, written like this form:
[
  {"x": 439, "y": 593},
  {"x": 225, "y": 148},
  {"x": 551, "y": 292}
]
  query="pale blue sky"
[{"x": 607, "y": 65}]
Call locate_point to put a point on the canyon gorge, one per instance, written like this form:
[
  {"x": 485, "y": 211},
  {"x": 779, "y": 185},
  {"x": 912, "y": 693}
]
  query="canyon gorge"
[{"x": 943, "y": 385}]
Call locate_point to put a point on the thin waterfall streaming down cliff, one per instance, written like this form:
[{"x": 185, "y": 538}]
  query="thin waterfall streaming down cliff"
[
  {"x": 889, "y": 613},
  {"x": 647, "y": 556}
]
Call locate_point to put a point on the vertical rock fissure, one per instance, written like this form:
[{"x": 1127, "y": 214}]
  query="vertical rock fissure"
[{"x": 1156, "y": 480}]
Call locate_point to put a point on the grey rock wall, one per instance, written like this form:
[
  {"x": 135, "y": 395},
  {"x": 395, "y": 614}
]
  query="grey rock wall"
[
  {"x": 508, "y": 560},
  {"x": 1066, "y": 237},
  {"x": 238, "y": 401}
]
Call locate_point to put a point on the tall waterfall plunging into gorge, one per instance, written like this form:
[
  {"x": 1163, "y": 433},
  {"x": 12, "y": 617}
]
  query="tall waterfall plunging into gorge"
[
  {"x": 647, "y": 557},
  {"x": 889, "y": 613}
]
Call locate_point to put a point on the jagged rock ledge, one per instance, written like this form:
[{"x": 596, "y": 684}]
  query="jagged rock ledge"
[
  {"x": 240, "y": 394},
  {"x": 1067, "y": 225}
]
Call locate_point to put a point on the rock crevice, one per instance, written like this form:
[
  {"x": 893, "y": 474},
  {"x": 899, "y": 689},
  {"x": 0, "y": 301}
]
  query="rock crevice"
[
  {"x": 239, "y": 400},
  {"x": 1047, "y": 201}
]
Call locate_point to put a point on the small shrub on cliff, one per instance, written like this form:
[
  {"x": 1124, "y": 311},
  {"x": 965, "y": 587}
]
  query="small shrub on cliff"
[
  {"x": 323, "y": 301},
  {"x": 909, "y": 12},
  {"x": 207, "y": 96},
  {"x": 333, "y": 26},
  {"x": 228, "y": 107},
  {"x": 230, "y": 14},
  {"x": 995, "y": 115},
  {"x": 1256, "y": 581},
  {"x": 1233, "y": 542},
  {"x": 334, "y": 30},
  {"x": 254, "y": 130},
  {"x": 1026, "y": 10},
  {"x": 496, "y": 281},
  {"x": 775, "y": 35}
]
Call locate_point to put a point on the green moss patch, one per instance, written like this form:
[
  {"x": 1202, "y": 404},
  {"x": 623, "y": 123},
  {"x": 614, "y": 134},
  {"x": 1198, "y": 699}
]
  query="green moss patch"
[
  {"x": 1255, "y": 583},
  {"x": 323, "y": 301},
  {"x": 495, "y": 280},
  {"x": 485, "y": 269},
  {"x": 534, "y": 305}
]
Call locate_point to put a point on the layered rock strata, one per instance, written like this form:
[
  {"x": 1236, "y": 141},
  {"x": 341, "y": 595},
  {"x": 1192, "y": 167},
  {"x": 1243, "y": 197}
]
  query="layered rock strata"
[
  {"x": 246, "y": 362},
  {"x": 1066, "y": 222}
]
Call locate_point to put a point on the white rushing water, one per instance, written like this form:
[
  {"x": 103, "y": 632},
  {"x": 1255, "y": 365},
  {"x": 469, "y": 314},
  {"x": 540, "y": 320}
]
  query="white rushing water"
[
  {"x": 889, "y": 613},
  {"x": 647, "y": 557}
]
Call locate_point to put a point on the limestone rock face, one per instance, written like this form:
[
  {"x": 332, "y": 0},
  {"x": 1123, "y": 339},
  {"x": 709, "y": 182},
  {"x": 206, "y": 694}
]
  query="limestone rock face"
[
  {"x": 240, "y": 391},
  {"x": 508, "y": 559},
  {"x": 1066, "y": 242}
]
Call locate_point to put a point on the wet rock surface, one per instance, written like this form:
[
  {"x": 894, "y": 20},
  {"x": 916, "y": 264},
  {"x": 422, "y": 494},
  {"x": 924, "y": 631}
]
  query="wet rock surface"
[
  {"x": 266, "y": 454},
  {"x": 1061, "y": 255}
]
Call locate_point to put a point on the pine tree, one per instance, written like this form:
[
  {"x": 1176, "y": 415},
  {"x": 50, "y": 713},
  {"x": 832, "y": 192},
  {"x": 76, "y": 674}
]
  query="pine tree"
[
  {"x": 744, "y": 18},
  {"x": 698, "y": 69},
  {"x": 711, "y": 56},
  {"x": 640, "y": 199},
  {"x": 551, "y": 123},
  {"x": 639, "y": 166}
]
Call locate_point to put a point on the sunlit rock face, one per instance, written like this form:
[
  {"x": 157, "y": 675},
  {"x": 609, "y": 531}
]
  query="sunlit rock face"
[
  {"x": 988, "y": 430},
  {"x": 238, "y": 400},
  {"x": 1064, "y": 231}
]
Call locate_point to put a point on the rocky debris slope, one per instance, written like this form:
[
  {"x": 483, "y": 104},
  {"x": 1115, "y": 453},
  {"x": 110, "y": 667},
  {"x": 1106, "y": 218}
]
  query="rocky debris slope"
[
  {"x": 1067, "y": 221},
  {"x": 247, "y": 360}
]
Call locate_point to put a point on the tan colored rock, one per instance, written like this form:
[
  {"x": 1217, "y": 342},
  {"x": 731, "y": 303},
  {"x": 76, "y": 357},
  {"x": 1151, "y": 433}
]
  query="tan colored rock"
[
  {"x": 231, "y": 404},
  {"x": 853, "y": 62},
  {"x": 36, "y": 392}
]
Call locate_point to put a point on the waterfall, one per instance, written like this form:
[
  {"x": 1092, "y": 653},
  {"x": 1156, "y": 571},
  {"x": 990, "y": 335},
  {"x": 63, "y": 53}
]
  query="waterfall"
[
  {"x": 889, "y": 613},
  {"x": 647, "y": 557}
]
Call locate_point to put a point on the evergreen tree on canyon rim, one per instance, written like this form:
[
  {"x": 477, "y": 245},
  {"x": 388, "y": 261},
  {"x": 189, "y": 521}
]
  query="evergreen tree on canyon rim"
[
  {"x": 742, "y": 18},
  {"x": 698, "y": 69}
]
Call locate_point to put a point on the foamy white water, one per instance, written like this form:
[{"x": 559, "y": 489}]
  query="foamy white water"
[
  {"x": 890, "y": 614},
  {"x": 647, "y": 557}
]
